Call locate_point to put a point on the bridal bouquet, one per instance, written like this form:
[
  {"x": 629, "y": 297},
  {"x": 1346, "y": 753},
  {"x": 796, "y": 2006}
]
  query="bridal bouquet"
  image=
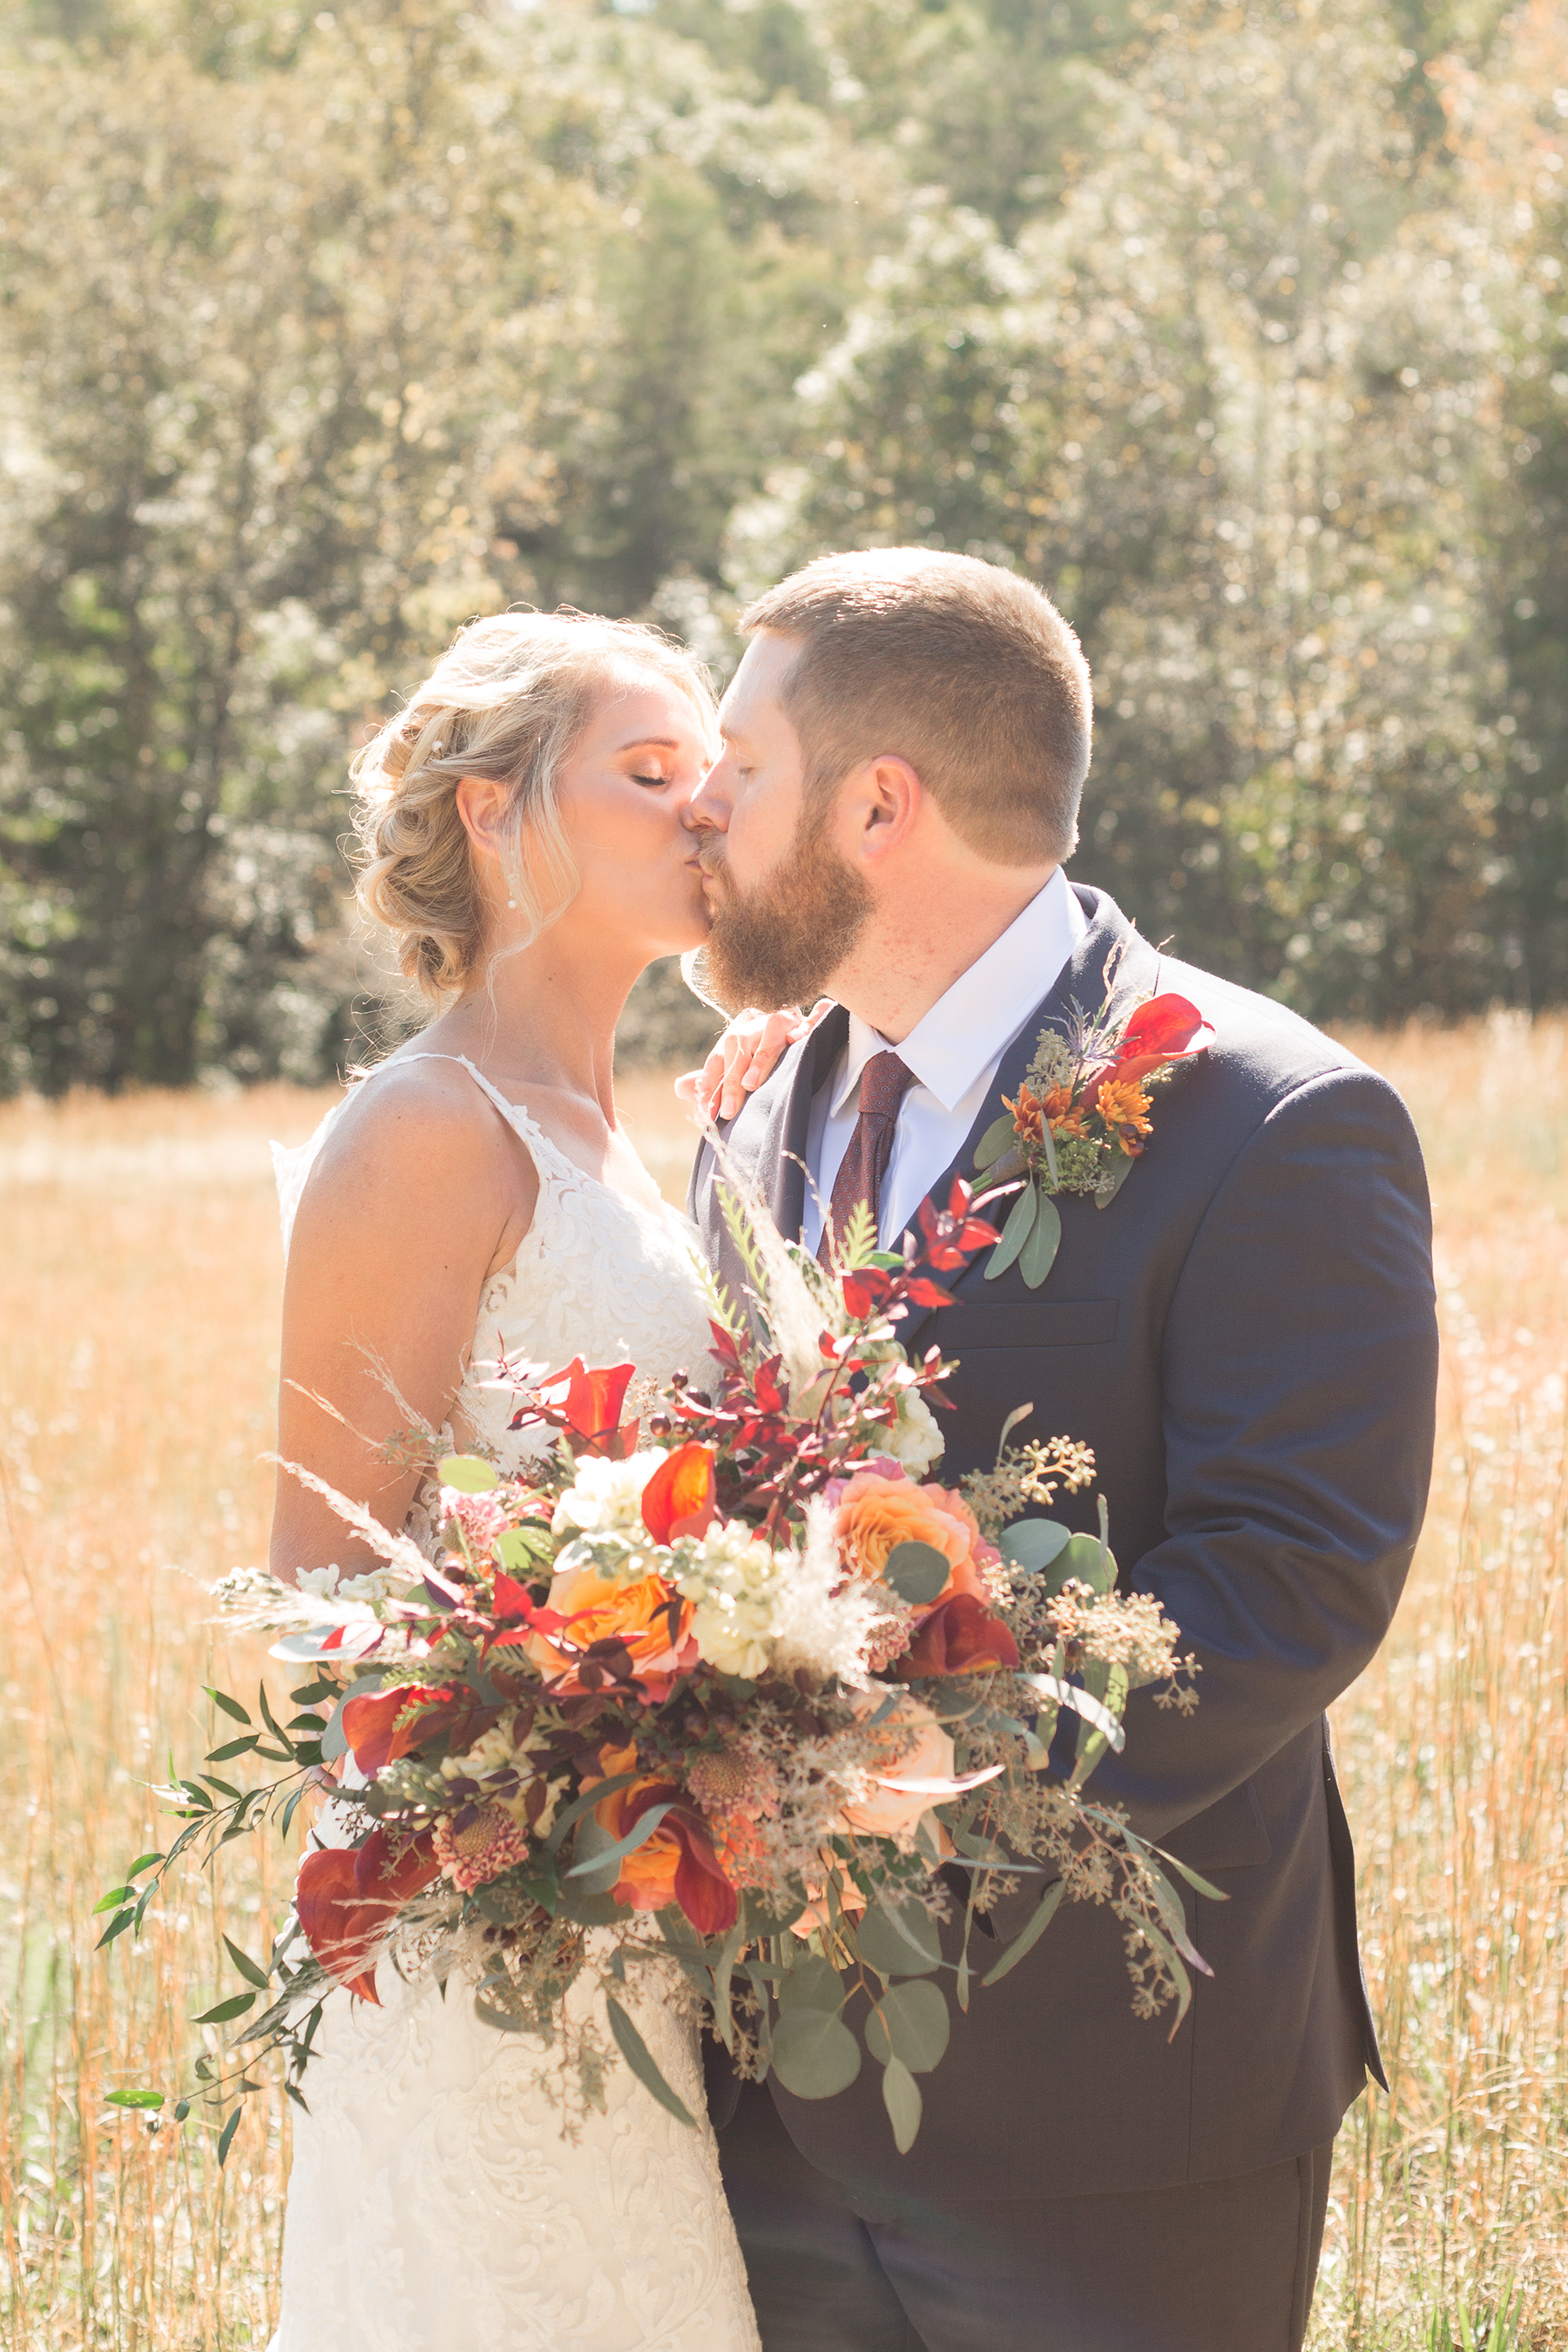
[{"x": 722, "y": 1695}]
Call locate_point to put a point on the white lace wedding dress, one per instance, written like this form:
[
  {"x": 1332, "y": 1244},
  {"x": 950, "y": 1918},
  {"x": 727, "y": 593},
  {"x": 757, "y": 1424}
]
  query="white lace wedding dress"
[{"x": 435, "y": 2205}]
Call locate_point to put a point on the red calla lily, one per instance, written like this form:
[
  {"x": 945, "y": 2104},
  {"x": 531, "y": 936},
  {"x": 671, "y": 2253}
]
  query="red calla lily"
[
  {"x": 1166, "y": 1025},
  {"x": 1167, "y": 1029},
  {"x": 702, "y": 1889},
  {"x": 959, "y": 1634},
  {"x": 678, "y": 1498},
  {"x": 646, "y": 1878},
  {"x": 593, "y": 1398},
  {"x": 384, "y": 1725},
  {"x": 347, "y": 1897}
]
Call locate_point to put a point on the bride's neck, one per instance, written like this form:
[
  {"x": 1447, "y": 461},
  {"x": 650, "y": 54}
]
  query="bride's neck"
[{"x": 546, "y": 1015}]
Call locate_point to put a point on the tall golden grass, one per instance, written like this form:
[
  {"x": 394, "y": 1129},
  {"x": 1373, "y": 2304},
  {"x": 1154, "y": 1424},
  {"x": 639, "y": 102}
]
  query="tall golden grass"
[{"x": 140, "y": 1272}]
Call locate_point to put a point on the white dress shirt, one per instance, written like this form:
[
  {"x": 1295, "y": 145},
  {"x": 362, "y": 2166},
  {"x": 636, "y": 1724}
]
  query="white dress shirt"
[{"x": 954, "y": 1051}]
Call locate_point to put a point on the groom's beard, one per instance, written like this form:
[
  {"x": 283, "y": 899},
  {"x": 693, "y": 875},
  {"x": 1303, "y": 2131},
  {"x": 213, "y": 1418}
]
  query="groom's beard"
[{"x": 777, "y": 945}]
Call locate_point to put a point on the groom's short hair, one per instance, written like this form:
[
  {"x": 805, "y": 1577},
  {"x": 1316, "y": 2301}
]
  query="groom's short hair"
[{"x": 965, "y": 670}]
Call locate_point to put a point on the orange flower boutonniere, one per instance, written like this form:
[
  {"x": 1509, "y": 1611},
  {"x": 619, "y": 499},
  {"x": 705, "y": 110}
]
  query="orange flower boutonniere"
[{"x": 1080, "y": 1119}]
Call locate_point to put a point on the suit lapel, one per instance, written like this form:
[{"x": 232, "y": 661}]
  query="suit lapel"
[
  {"x": 1081, "y": 984},
  {"x": 784, "y": 1172},
  {"x": 768, "y": 1140}
]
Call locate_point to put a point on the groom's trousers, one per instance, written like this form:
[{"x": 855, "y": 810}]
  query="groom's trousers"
[{"x": 1213, "y": 2266}]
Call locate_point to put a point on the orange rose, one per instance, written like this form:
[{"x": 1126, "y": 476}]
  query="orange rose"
[
  {"x": 876, "y": 1514},
  {"x": 916, "y": 1747},
  {"x": 638, "y": 1611}
]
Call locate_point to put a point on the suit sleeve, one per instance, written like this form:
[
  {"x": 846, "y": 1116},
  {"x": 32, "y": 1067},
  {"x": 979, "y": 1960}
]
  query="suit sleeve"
[
  {"x": 693, "y": 1183},
  {"x": 1299, "y": 1376}
]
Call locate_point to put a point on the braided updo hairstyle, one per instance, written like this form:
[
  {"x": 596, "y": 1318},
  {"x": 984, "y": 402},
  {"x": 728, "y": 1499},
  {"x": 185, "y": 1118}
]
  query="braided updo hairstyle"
[{"x": 507, "y": 702}]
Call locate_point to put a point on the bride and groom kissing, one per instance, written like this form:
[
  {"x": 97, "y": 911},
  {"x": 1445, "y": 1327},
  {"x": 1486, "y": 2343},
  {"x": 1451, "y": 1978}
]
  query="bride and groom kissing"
[{"x": 879, "y": 811}]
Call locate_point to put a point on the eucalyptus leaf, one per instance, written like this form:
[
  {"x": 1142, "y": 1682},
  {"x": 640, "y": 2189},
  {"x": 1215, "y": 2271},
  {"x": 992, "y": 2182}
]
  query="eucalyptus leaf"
[
  {"x": 902, "y": 2097},
  {"x": 910, "y": 2023},
  {"x": 1038, "y": 1254},
  {"x": 1183, "y": 1981},
  {"x": 1023, "y": 1942},
  {"x": 151, "y": 2100},
  {"x": 1087, "y": 1560},
  {"x": 1032, "y": 1545},
  {"x": 815, "y": 2053},
  {"x": 1019, "y": 1413},
  {"x": 1201, "y": 1885},
  {"x": 584, "y": 1804},
  {"x": 812, "y": 1983},
  {"x": 1050, "y": 1142},
  {"x": 334, "y": 1741},
  {"x": 1082, "y": 1703},
  {"x": 1015, "y": 1232},
  {"x": 586, "y": 1909},
  {"x": 898, "y": 1941},
  {"x": 598, "y": 1853},
  {"x": 917, "y": 1572},
  {"x": 247, "y": 1968},
  {"x": 226, "y": 2137},
  {"x": 231, "y": 1707},
  {"x": 998, "y": 1138},
  {"x": 1122, "y": 1167},
  {"x": 499, "y": 2021},
  {"x": 761, "y": 1923},
  {"x": 724, "y": 1978},
  {"x": 468, "y": 1473},
  {"x": 235, "y": 2006},
  {"x": 639, "y": 2058}
]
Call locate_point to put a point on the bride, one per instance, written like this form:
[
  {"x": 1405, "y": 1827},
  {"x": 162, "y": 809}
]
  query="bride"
[{"x": 525, "y": 841}]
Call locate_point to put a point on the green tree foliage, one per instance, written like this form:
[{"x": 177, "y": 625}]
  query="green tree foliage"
[
  {"x": 1235, "y": 402},
  {"x": 1238, "y": 328}
]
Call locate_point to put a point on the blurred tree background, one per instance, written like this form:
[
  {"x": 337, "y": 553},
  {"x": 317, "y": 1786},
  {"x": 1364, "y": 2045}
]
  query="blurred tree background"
[{"x": 1244, "y": 329}]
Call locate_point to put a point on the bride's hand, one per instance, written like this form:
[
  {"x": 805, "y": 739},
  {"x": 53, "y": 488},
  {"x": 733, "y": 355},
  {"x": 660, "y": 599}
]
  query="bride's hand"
[{"x": 743, "y": 1056}]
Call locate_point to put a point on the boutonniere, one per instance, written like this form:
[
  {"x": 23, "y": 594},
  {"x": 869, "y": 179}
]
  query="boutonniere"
[{"x": 1082, "y": 1116}]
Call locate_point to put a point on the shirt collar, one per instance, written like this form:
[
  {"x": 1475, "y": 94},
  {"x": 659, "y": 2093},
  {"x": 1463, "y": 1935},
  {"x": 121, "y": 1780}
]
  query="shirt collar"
[{"x": 974, "y": 1023}]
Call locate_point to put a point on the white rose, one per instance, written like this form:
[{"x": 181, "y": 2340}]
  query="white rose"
[
  {"x": 606, "y": 1497},
  {"x": 914, "y": 1439}
]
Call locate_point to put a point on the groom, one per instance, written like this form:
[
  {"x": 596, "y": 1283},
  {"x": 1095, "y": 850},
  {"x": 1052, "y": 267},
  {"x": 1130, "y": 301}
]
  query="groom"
[{"x": 1245, "y": 1337}]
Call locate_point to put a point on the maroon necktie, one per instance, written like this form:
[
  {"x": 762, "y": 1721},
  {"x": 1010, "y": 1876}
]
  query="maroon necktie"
[{"x": 884, "y": 1082}]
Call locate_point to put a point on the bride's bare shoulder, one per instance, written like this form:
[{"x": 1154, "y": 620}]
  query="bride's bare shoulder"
[{"x": 417, "y": 1144}]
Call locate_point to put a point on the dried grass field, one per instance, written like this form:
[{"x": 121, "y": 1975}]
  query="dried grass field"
[{"x": 139, "y": 1274}]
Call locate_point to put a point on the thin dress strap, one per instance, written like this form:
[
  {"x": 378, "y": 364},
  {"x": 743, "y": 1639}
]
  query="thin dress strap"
[{"x": 292, "y": 1164}]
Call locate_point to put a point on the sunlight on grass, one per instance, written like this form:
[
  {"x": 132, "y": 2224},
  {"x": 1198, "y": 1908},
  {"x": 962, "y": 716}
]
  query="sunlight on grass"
[{"x": 138, "y": 1389}]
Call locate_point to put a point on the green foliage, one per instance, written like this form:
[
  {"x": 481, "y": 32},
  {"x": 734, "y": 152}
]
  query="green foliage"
[{"x": 1239, "y": 331}]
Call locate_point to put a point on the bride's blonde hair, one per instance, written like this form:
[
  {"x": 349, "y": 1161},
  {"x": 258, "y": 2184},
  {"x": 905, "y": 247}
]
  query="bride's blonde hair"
[{"x": 507, "y": 702}]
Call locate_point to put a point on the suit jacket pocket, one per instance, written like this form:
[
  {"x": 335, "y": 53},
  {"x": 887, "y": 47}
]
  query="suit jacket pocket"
[
  {"x": 1229, "y": 1835},
  {"x": 1026, "y": 1323}
]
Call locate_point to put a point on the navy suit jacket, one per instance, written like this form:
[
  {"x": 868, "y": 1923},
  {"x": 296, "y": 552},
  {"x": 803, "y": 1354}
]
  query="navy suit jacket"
[{"x": 1246, "y": 1336}]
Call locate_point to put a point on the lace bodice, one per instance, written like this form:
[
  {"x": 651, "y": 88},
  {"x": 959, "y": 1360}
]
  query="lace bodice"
[
  {"x": 434, "y": 2204},
  {"x": 598, "y": 1275}
]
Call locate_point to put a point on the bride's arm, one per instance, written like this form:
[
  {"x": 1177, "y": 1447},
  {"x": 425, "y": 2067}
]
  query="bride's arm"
[{"x": 418, "y": 1195}]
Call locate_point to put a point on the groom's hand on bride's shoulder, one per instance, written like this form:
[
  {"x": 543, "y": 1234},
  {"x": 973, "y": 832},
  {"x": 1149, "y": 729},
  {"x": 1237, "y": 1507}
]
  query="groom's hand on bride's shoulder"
[{"x": 743, "y": 1056}]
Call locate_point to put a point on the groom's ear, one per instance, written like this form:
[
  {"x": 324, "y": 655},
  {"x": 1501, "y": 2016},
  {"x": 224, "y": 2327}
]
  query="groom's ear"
[{"x": 882, "y": 800}]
